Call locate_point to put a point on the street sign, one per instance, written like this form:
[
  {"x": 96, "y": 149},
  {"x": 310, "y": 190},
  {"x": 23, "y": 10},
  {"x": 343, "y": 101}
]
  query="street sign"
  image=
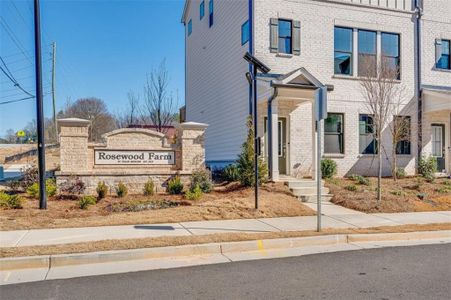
[
  {"x": 321, "y": 103},
  {"x": 21, "y": 133}
]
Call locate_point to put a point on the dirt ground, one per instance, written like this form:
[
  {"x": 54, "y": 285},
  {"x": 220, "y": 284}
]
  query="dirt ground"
[
  {"x": 189, "y": 240},
  {"x": 225, "y": 202},
  {"x": 412, "y": 194}
]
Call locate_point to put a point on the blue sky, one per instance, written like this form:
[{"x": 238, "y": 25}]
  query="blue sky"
[{"x": 105, "y": 48}]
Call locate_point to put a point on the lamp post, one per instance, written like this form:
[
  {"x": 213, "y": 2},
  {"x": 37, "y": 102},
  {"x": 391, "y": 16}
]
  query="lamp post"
[
  {"x": 39, "y": 106},
  {"x": 252, "y": 78}
]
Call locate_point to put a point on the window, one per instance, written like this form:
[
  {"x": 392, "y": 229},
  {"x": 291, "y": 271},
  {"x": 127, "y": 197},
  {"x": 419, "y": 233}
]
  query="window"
[
  {"x": 190, "y": 27},
  {"x": 210, "y": 13},
  {"x": 390, "y": 52},
  {"x": 402, "y": 131},
  {"x": 367, "y": 143},
  {"x": 443, "y": 50},
  {"x": 367, "y": 53},
  {"x": 343, "y": 51},
  {"x": 285, "y": 37},
  {"x": 202, "y": 9},
  {"x": 334, "y": 134},
  {"x": 245, "y": 32}
]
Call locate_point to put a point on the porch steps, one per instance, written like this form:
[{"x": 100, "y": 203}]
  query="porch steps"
[{"x": 305, "y": 190}]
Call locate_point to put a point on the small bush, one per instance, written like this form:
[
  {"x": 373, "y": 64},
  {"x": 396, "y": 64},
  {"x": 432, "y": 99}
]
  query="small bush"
[
  {"x": 202, "y": 179},
  {"x": 149, "y": 188},
  {"x": 50, "y": 188},
  {"x": 231, "y": 173},
  {"x": 328, "y": 168},
  {"x": 429, "y": 178},
  {"x": 86, "y": 201},
  {"x": 102, "y": 190},
  {"x": 194, "y": 194},
  {"x": 11, "y": 201},
  {"x": 447, "y": 182},
  {"x": 121, "y": 190},
  {"x": 397, "y": 193},
  {"x": 400, "y": 173},
  {"x": 443, "y": 190},
  {"x": 29, "y": 177},
  {"x": 351, "y": 188},
  {"x": 73, "y": 186},
  {"x": 175, "y": 186},
  {"x": 360, "y": 179},
  {"x": 427, "y": 167}
]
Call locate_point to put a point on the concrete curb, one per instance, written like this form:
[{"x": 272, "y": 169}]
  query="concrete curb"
[{"x": 50, "y": 261}]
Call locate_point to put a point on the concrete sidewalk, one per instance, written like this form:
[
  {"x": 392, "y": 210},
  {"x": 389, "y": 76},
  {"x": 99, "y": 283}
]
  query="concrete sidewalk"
[{"x": 333, "y": 217}]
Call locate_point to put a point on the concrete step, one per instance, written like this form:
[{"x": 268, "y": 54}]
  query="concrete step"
[
  {"x": 299, "y": 191},
  {"x": 303, "y": 183},
  {"x": 313, "y": 198}
]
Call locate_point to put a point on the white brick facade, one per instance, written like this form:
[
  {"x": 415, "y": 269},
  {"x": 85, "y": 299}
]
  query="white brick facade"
[{"x": 318, "y": 19}]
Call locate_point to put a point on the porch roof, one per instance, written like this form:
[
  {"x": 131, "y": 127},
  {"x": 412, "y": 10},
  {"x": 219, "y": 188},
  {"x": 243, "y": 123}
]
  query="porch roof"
[{"x": 436, "y": 98}]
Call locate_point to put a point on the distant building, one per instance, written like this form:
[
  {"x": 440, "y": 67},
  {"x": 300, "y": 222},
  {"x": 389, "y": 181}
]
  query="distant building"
[{"x": 304, "y": 41}]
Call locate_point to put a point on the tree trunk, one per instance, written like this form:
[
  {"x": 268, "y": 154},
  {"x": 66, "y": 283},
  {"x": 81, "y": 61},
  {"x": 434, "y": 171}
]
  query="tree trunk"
[{"x": 379, "y": 176}]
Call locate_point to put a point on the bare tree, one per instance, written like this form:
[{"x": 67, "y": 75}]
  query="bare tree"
[
  {"x": 159, "y": 103},
  {"x": 130, "y": 116},
  {"x": 94, "y": 110},
  {"x": 383, "y": 94},
  {"x": 400, "y": 131}
]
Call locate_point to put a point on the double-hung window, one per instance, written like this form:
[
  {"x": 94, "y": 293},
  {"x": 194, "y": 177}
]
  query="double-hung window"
[
  {"x": 334, "y": 134},
  {"x": 367, "y": 141},
  {"x": 285, "y": 36},
  {"x": 202, "y": 9},
  {"x": 190, "y": 27},
  {"x": 402, "y": 134},
  {"x": 443, "y": 48},
  {"x": 343, "y": 51},
  {"x": 390, "y": 54},
  {"x": 210, "y": 13},
  {"x": 367, "y": 53},
  {"x": 245, "y": 32}
]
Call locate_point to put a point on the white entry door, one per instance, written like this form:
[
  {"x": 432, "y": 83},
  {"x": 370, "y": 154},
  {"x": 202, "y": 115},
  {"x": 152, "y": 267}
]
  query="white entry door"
[{"x": 438, "y": 146}]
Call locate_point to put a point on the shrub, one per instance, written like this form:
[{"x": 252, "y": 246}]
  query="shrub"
[
  {"x": 400, "y": 173},
  {"x": 175, "y": 186},
  {"x": 427, "y": 166},
  {"x": 351, "y": 188},
  {"x": 443, "y": 190},
  {"x": 121, "y": 190},
  {"x": 29, "y": 177},
  {"x": 194, "y": 194},
  {"x": 447, "y": 182},
  {"x": 245, "y": 161},
  {"x": 73, "y": 186},
  {"x": 429, "y": 178},
  {"x": 149, "y": 188},
  {"x": 421, "y": 196},
  {"x": 102, "y": 190},
  {"x": 231, "y": 173},
  {"x": 50, "y": 188},
  {"x": 397, "y": 193},
  {"x": 328, "y": 168},
  {"x": 202, "y": 179},
  {"x": 85, "y": 201},
  {"x": 360, "y": 179},
  {"x": 11, "y": 201}
]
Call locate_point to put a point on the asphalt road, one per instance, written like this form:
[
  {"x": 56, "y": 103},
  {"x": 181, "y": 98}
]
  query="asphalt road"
[{"x": 418, "y": 272}]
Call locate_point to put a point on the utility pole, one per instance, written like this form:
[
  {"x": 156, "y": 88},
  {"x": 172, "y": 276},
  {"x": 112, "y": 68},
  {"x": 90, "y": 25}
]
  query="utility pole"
[
  {"x": 39, "y": 106},
  {"x": 53, "y": 88}
]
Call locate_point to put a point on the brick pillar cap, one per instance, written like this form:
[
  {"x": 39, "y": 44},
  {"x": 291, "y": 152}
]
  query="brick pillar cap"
[
  {"x": 73, "y": 122},
  {"x": 193, "y": 125}
]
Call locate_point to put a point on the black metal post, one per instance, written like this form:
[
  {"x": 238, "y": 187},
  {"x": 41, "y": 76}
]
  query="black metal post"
[
  {"x": 255, "y": 135},
  {"x": 39, "y": 106}
]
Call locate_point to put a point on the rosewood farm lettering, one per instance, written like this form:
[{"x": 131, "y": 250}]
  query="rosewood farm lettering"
[{"x": 134, "y": 157}]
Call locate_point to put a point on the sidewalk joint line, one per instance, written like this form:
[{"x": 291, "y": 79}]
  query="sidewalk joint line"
[
  {"x": 280, "y": 230},
  {"x": 189, "y": 231},
  {"x": 21, "y": 238},
  {"x": 337, "y": 219}
]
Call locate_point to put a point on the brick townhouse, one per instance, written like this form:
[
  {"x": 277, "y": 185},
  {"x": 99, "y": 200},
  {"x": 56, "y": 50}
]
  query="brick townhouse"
[{"x": 310, "y": 41}]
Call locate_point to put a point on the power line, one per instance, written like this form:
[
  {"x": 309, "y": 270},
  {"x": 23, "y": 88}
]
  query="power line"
[
  {"x": 15, "y": 82},
  {"x": 14, "y": 38},
  {"x": 17, "y": 100}
]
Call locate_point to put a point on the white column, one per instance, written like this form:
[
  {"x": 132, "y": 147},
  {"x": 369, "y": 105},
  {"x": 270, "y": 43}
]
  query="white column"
[{"x": 275, "y": 140}]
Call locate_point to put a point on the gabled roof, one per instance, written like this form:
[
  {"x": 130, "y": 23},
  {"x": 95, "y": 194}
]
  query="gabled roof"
[
  {"x": 299, "y": 78},
  {"x": 185, "y": 11}
]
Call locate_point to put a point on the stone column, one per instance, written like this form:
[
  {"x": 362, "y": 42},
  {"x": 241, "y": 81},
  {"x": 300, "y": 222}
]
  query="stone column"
[
  {"x": 192, "y": 144},
  {"x": 274, "y": 123},
  {"x": 73, "y": 134}
]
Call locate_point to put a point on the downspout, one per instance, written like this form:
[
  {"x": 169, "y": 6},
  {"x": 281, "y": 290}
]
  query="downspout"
[
  {"x": 418, "y": 89},
  {"x": 251, "y": 46},
  {"x": 269, "y": 126}
]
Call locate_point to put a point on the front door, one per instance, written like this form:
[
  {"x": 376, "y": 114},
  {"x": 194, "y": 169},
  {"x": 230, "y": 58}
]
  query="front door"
[
  {"x": 282, "y": 145},
  {"x": 438, "y": 145}
]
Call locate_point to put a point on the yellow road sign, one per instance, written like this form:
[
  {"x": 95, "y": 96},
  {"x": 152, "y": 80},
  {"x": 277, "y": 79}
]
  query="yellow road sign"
[{"x": 21, "y": 133}]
